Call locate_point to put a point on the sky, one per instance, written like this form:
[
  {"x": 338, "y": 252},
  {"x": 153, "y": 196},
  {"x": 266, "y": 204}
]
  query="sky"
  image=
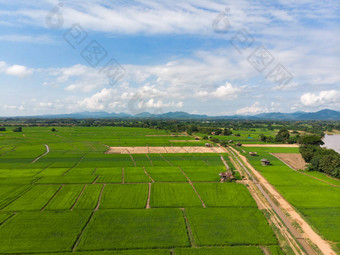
[{"x": 202, "y": 57}]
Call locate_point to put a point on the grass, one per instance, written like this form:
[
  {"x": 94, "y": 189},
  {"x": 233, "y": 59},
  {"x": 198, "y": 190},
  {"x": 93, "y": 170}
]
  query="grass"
[
  {"x": 154, "y": 228},
  {"x": 230, "y": 226},
  {"x": 65, "y": 198},
  {"x": 34, "y": 199},
  {"x": 225, "y": 195},
  {"x": 124, "y": 196},
  {"x": 173, "y": 195},
  {"x": 41, "y": 231}
]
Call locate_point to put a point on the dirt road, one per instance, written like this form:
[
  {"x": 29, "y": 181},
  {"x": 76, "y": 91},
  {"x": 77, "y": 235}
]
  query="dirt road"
[{"x": 47, "y": 151}]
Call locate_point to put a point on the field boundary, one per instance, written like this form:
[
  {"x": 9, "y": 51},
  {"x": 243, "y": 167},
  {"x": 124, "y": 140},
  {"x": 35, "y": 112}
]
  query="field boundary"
[
  {"x": 152, "y": 180},
  {"x": 192, "y": 185},
  {"x": 149, "y": 159},
  {"x": 80, "y": 194},
  {"x": 82, "y": 157},
  {"x": 100, "y": 197},
  {"x": 76, "y": 243},
  {"x": 189, "y": 231},
  {"x": 42, "y": 209},
  {"x": 149, "y": 195}
]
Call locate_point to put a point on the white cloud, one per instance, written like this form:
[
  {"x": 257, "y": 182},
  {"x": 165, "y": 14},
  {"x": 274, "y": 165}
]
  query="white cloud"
[
  {"x": 327, "y": 98},
  {"x": 15, "y": 70},
  {"x": 18, "y": 70},
  {"x": 225, "y": 92},
  {"x": 253, "y": 109}
]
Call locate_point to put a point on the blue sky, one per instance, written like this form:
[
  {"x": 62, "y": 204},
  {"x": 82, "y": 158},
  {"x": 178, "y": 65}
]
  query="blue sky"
[{"x": 206, "y": 57}]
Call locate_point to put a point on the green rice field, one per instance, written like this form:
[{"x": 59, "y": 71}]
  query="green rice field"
[{"x": 78, "y": 200}]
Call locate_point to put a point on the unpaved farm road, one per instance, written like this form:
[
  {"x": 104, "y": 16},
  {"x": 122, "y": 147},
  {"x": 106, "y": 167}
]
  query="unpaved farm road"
[
  {"x": 285, "y": 208},
  {"x": 47, "y": 151}
]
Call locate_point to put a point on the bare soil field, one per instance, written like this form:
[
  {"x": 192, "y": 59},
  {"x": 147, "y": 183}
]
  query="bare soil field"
[
  {"x": 271, "y": 145},
  {"x": 169, "y": 149},
  {"x": 294, "y": 160}
]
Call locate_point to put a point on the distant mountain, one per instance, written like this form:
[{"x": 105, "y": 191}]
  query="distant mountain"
[{"x": 320, "y": 115}]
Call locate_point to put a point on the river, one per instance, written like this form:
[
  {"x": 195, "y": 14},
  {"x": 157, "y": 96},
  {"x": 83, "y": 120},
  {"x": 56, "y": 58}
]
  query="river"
[{"x": 332, "y": 142}]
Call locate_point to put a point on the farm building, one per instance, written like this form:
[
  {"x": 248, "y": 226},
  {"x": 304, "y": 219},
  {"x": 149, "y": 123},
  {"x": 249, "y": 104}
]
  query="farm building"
[
  {"x": 239, "y": 144},
  {"x": 226, "y": 176},
  {"x": 251, "y": 153},
  {"x": 265, "y": 162},
  {"x": 230, "y": 141},
  {"x": 196, "y": 138},
  {"x": 208, "y": 145}
]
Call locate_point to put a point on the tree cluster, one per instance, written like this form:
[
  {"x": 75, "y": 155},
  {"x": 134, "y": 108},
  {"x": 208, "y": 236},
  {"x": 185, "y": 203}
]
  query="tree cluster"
[{"x": 319, "y": 159}]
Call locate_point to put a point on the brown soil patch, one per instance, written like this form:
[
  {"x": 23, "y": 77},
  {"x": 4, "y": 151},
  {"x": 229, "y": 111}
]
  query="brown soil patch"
[
  {"x": 294, "y": 160},
  {"x": 271, "y": 145},
  {"x": 143, "y": 150}
]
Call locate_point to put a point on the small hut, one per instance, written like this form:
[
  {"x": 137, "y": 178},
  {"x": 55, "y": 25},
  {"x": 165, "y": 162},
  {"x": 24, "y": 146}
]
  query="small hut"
[
  {"x": 226, "y": 176},
  {"x": 265, "y": 162},
  {"x": 196, "y": 138},
  {"x": 251, "y": 153},
  {"x": 239, "y": 144},
  {"x": 208, "y": 145},
  {"x": 230, "y": 141}
]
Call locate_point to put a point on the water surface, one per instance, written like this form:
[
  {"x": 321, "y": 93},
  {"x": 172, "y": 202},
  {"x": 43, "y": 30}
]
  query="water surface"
[{"x": 332, "y": 142}]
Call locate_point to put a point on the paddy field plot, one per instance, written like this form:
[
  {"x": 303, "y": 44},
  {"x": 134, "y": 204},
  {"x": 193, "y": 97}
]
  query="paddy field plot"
[
  {"x": 230, "y": 226},
  {"x": 8, "y": 193},
  {"x": 135, "y": 174},
  {"x": 152, "y": 228},
  {"x": 41, "y": 231},
  {"x": 166, "y": 174},
  {"x": 173, "y": 195},
  {"x": 65, "y": 198},
  {"x": 124, "y": 196},
  {"x": 34, "y": 199},
  {"x": 225, "y": 195}
]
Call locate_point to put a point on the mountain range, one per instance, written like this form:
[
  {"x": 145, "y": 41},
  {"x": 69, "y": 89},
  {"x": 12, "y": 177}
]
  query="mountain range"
[{"x": 325, "y": 114}]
